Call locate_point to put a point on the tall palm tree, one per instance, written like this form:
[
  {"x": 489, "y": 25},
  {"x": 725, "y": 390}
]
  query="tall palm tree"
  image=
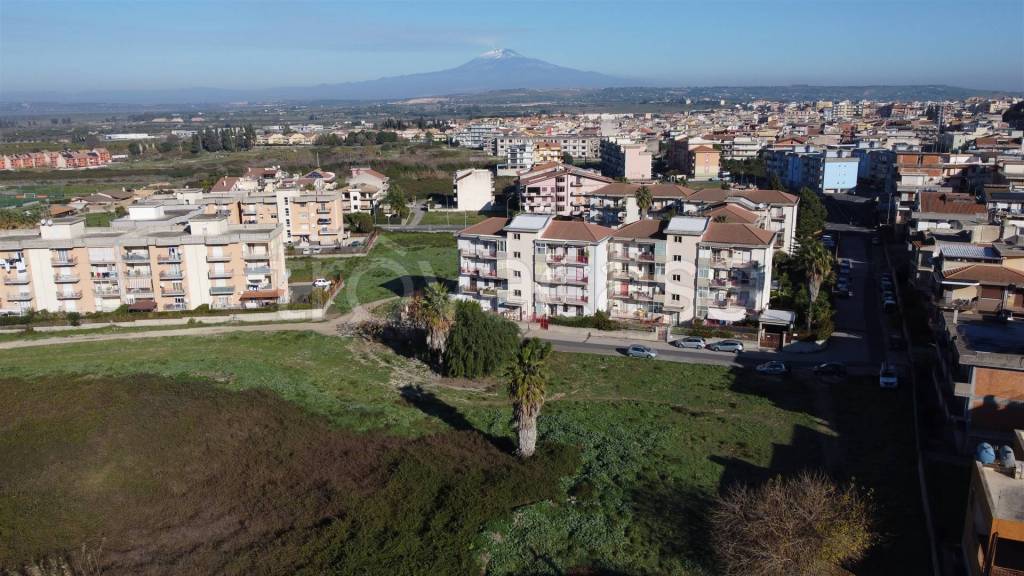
[
  {"x": 527, "y": 375},
  {"x": 643, "y": 200},
  {"x": 816, "y": 262},
  {"x": 435, "y": 313}
]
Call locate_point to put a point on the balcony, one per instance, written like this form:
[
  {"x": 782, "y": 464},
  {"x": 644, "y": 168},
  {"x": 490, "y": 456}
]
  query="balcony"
[
  {"x": 101, "y": 259},
  {"x": 323, "y": 210},
  {"x": 329, "y": 231},
  {"x": 222, "y": 290},
  {"x": 139, "y": 273},
  {"x": 176, "y": 306},
  {"x": 19, "y": 296},
  {"x": 173, "y": 291},
  {"x": 563, "y": 279},
  {"x": 218, "y": 258},
  {"x": 220, "y": 274},
  {"x": 638, "y": 296},
  {"x": 555, "y": 258},
  {"x": 169, "y": 259},
  {"x": 261, "y": 270},
  {"x": 135, "y": 257},
  {"x": 249, "y": 210},
  {"x": 576, "y": 300},
  {"x": 481, "y": 254},
  {"x": 64, "y": 261},
  {"x": 65, "y": 278},
  {"x": 16, "y": 280},
  {"x": 172, "y": 275},
  {"x": 140, "y": 291},
  {"x": 478, "y": 273},
  {"x": 250, "y": 256},
  {"x": 105, "y": 279},
  {"x": 69, "y": 295},
  {"x": 106, "y": 292}
]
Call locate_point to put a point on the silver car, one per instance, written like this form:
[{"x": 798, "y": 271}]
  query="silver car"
[
  {"x": 690, "y": 342},
  {"x": 727, "y": 346}
]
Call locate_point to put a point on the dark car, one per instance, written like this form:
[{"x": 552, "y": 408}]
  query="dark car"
[
  {"x": 830, "y": 369},
  {"x": 727, "y": 346}
]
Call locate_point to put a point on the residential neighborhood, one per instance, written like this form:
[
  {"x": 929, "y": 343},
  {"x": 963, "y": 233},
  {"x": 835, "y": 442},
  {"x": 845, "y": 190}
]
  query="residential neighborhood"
[{"x": 689, "y": 289}]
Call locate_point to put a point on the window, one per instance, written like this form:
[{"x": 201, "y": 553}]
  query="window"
[
  {"x": 517, "y": 292},
  {"x": 675, "y": 297},
  {"x": 515, "y": 237},
  {"x": 678, "y": 239},
  {"x": 677, "y": 258},
  {"x": 676, "y": 277},
  {"x": 517, "y": 254},
  {"x": 517, "y": 274}
]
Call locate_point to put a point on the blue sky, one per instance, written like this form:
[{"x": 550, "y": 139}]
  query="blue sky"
[{"x": 76, "y": 45}]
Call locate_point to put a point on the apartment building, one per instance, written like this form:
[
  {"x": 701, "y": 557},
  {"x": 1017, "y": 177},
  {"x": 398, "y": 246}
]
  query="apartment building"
[
  {"x": 615, "y": 204},
  {"x": 630, "y": 161},
  {"x": 473, "y": 189},
  {"x": 558, "y": 189},
  {"x": 826, "y": 171},
  {"x": 47, "y": 159},
  {"x": 366, "y": 190},
  {"x": 771, "y": 210},
  {"x": 993, "y": 536},
  {"x": 519, "y": 158},
  {"x": 534, "y": 265},
  {"x": 159, "y": 258},
  {"x": 651, "y": 270},
  {"x": 704, "y": 163},
  {"x": 582, "y": 147}
]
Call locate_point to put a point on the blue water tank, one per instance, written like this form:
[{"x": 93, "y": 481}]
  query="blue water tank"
[
  {"x": 1006, "y": 457},
  {"x": 985, "y": 453}
]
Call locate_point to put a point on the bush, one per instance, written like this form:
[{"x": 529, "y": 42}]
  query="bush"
[
  {"x": 479, "y": 343},
  {"x": 74, "y": 319},
  {"x": 704, "y": 331},
  {"x": 599, "y": 321},
  {"x": 805, "y": 525},
  {"x": 359, "y": 222}
]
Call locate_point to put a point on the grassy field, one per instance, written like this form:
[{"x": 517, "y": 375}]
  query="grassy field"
[
  {"x": 453, "y": 218},
  {"x": 633, "y": 452},
  {"x": 400, "y": 263}
]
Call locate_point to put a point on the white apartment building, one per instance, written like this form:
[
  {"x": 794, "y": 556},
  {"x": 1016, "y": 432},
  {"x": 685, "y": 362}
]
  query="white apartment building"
[
  {"x": 519, "y": 158},
  {"x": 586, "y": 147},
  {"x": 772, "y": 210},
  {"x": 474, "y": 189},
  {"x": 666, "y": 272},
  {"x": 558, "y": 189},
  {"x": 366, "y": 190},
  {"x": 158, "y": 259}
]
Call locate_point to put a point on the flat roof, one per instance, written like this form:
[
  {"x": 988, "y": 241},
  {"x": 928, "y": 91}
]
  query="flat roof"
[
  {"x": 528, "y": 222},
  {"x": 1005, "y": 494},
  {"x": 687, "y": 225}
]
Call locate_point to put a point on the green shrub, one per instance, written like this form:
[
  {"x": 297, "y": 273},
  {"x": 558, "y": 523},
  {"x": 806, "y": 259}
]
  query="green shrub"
[
  {"x": 74, "y": 319},
  {"x": 599, "y": 321},
  {"x": 479, "y": 343}
]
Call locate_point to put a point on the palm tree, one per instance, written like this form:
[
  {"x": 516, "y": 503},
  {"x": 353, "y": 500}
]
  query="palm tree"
[
  {"x": 643, "y": 200},
  {"x": 816, "y": 261},
  {"x": 527, "y": 375},
  {"x": 435, "y": 313}
]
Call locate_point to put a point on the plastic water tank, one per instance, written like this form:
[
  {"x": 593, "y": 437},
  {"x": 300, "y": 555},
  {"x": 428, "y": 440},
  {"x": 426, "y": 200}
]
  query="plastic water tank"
[
  {"x": 1006, "y": 457},
  {"x": 985, "y": 453}
]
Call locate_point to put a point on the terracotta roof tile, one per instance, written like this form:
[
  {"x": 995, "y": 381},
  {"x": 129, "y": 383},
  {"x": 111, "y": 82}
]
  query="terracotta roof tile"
[
  {"x": 489, "y": 227},
  {"x": 714, "y": 195},
  {"x": 659, "y": 190},
  {"x": 985, "y": 274},
  {"x": 950, "y": 203},
  {"x": 647, "y": 228},
  {"x": 576, "y": 231},
  {"x": 733, "y": 214},
  {"x": 742, "y": 234}
]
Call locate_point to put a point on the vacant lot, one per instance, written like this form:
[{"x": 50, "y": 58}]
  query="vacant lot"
[
  {"x": 300, "y": 453},
  {"x": 453, "y": 218}
]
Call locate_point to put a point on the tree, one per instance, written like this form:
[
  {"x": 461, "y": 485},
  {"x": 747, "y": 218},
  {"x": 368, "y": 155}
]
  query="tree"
[
  {"x": 811, "y": 215},
  {"x": 802, "y": 526},
  {"x": 774, "y": 183},
  {"x": 643, "y": 200},
  {"x": 816, "y": 262},
  {"x": 479, "y": 344},
  {"x": 359, "y": 222},
  {"x": 566, "y": 158},
  {"x": 197, "y": 144},
  {"x": 318, "y": 297},
  {"x": 434, "y": 313},
  {"x": 396, "y": 201},
  {"x": 527, "y": 375}
]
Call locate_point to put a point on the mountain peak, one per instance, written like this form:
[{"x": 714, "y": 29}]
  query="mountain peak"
[{"x": 499, "y": 54}]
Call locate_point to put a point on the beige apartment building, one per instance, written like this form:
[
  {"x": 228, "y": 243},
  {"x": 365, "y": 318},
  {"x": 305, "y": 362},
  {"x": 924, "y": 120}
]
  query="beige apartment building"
[
  {"x": 159, "y": 258},
  {"x": 659, "y": 271}
]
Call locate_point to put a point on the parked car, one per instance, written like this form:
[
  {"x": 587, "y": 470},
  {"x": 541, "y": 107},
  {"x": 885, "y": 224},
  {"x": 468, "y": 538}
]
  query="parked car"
[
  {"x": 887, "y": 376},
  {"x": 727, "y": 346},
  {"x": 845, "y": 265},
  {"x": 306, "y": 251},
  {"x": 774, "y": 367},
  {"x": 830, "y": 369},
  {"x": 317, "y": 249},
  {"x": 690, "y": 342},
  {"x": 640, "y": 351},
  {"x": 321, "y": 283}
]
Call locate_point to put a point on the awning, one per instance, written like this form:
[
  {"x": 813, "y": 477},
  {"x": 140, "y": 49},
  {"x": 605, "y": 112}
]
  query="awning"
[
  {"x": 727, "y": 314},
  {"x": 142, "y": 306},
  {"x": 778, "y": 317},
  {"x": 261, "y": 294}
]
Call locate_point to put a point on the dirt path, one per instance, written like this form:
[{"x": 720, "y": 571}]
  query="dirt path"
[{"x": 327, "y": 328}]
